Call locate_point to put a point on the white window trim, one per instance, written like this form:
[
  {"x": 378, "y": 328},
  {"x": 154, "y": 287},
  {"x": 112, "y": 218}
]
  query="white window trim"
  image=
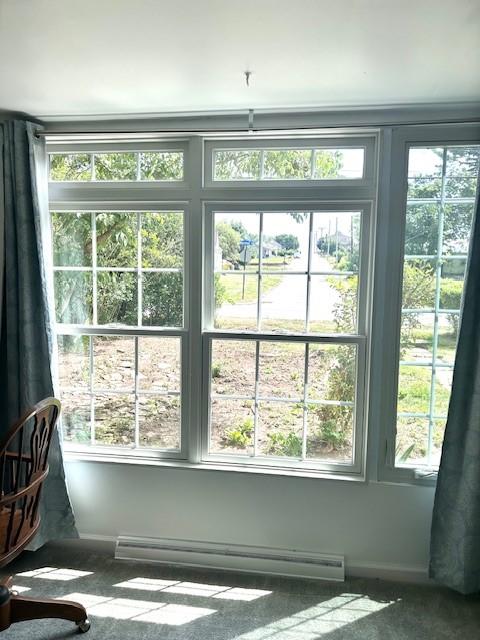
[
  {"x": 192, "y": 196},
  {"x": 388, "y": 297}
]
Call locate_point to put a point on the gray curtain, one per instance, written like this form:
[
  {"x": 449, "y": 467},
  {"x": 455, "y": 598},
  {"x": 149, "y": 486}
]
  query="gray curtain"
[
  {"x": 26, "y": 335},
  {"x": 455, "y": 541}
]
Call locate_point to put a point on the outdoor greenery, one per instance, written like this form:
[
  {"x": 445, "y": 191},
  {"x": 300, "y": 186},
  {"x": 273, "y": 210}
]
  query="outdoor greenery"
[{"x": 122, "y": 243}]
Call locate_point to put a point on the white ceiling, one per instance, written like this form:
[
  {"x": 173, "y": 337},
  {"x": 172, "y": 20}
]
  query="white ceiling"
[{"x": 93, "y": 57}]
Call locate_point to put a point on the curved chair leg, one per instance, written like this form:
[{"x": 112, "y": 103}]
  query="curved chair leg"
[{"x": 21, "y": 608}]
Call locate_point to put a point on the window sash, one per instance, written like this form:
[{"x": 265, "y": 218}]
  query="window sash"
[
  {"x": 391, "y": 226},
  {"x": 360, "y": 338}
]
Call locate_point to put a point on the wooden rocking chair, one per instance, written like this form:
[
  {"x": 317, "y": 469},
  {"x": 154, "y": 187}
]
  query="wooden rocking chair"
[{"x": 23, "y": 469}]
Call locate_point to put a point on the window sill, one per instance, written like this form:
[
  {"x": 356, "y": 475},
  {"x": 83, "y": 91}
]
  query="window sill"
[{"x": 131, "y": 459}]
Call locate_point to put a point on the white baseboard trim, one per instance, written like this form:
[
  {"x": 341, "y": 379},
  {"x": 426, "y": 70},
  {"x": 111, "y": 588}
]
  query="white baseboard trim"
[
  {"x": 284, "y": 562},
  {"x": 391, "y": 572}
]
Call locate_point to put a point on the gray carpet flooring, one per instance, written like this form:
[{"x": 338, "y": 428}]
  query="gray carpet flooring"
[{"x": 128, "y": 600}]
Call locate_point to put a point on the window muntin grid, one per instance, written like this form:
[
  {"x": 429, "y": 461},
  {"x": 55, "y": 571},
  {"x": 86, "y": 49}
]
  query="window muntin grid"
[
  {"x": 280, "y": 444},
  {"x": 439, "y": 187},
  {"x": 117, "y": 166},
  {"x": 328, "y": 258},
  {"x": 144, "y": 413},
  {"x": 354, "y": 336},
  {"x": 101, "y": 410},
  {"x": 290, "y": 163},
  {"x": 133, "y": 269}
]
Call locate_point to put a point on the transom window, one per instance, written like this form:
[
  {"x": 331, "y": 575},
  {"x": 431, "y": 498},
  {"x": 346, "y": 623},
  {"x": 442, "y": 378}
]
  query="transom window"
[{"x": 117, "y": 166}]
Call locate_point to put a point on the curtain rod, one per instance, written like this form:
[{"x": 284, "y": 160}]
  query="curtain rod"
[
  {"x": 457, "y": 116},
  {"x": 239, "y": 131}
]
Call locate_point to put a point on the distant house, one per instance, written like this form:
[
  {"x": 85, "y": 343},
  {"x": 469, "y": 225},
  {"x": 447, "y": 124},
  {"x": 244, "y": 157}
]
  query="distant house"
[{"x": 270, "y": 248}]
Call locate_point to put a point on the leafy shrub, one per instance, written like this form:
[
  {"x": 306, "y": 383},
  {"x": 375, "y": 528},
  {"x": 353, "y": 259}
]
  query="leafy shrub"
[
  {"x": 451, "y": 298},
  {"x": 216, "y": 370},
  {"x": 285, "y": 445},
  {"x": 240, "y": 436}
]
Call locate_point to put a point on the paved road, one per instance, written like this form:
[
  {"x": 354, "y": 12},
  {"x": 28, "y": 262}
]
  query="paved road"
[{"x": 287, "y": 300}]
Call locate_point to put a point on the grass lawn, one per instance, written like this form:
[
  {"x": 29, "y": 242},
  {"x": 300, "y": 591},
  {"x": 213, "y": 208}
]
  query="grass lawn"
[{"x": 233, "y": 286}]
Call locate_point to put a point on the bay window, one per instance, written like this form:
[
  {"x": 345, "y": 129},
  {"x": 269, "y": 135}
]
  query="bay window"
[{"x": 216, "y": 301}]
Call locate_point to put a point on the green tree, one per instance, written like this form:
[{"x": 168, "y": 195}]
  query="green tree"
[
  {"x": 229, "y": 241},
  {"x": 288, "y": 242}
]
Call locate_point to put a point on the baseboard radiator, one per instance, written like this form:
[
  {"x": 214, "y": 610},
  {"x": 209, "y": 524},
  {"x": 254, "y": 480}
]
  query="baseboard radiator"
[{"x": 283, "y": 562}]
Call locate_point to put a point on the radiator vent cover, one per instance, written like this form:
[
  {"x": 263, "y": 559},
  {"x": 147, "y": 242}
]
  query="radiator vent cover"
[{"x": 265, "y": 560}]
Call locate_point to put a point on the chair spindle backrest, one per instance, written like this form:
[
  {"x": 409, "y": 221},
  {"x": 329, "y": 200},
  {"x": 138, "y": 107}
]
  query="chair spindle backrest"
[{"x": 23, "y": 469}]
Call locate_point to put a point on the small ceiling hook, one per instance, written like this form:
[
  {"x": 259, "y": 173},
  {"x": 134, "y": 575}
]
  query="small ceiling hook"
[{"x": 247, "y": 77}]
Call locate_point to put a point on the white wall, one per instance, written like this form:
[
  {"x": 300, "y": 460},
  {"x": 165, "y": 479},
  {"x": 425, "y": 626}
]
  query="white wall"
[{"x": 381, "y": 529}]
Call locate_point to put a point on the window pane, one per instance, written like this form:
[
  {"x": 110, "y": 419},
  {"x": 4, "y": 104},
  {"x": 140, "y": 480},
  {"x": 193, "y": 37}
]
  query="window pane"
[
  {"x": 115, "y": 166},
  {"x": 425, "y": 162},
  {"x": 463, "y": 161},
  {"x": 72, "y": 239},
  {"x": 285, "y": 241},
  {"x": 117, "y": 298},
  {"x": 232, "y": 426},
  {"x": 74, "y": 361},
  {"x": 70, "y": 166},
  {"x": 76, "y": 417},
  {"x": 162, "y": 240},
  {"x": 280, "y": 428},
  {"x": 159, "y": 422},
  {"x": 73, "y": 297},
  {"x": 116, "y": 239},
  {"x": 457, "y": 225},
  {"x": 331, "y": 372},
  {"x": 421, "y": 229},
  {"x": 162, "y": 299},
  {"x": 336, "y": 241},
  {"x": 233, "y": 367},
  {"x": 443, "y": 387},
  {"x": 236, "y": 301},
  {"x": 330, "y": 433},
  {"x": 236, "y": 241},
  {"x": 414, "y": 386},
  {"x": 411, "y": 441},
  {"x": 283, "y": 303},
  {"x": 113, "y": 363},
  {"x": 236, "y": 165},
  {"x": 339, "y": 163},
  {"x": 281, "y": 370},
  {"x": 294, "y": 164},
  {"x": 460, "y": 187},
  {"x": 416, "y": 338},
  {"x": 158, "y": 165},
  {"x": 333, "y": 304},
  {"x": 424, "y": 188},
  {"x": 115, "y": 419},
  {"x": 418, "y": 284},
  {"x": 159, "y": 364}
]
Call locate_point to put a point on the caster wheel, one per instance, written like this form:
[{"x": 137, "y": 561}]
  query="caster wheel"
[{"x": 84, "y": 626}]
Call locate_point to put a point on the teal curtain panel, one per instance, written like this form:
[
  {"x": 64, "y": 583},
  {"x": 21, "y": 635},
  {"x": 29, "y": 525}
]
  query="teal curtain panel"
[
  {"x": 26, "y": 302},
  {"x": 455, "y": 540}
]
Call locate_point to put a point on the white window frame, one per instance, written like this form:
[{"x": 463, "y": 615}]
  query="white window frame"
[
  {"x": 196, "y": 198},
  {"x": 359, "y": 338},
  {"x": 391, "y": 232}
]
